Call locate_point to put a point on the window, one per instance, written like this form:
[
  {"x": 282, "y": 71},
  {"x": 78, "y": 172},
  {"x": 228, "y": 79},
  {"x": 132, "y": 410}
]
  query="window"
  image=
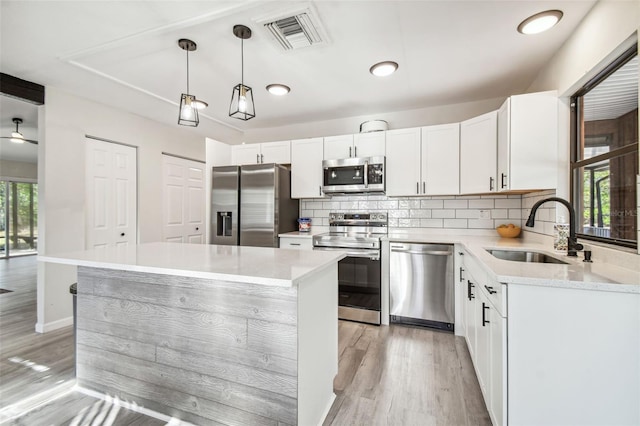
[
  {"x": 18, "y": 218},
  {"x": 604, "y": 154}
]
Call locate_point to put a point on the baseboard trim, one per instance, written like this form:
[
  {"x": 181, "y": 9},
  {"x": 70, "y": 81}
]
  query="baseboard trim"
[
  {"x": 54, "y": 325},
  {"x": 327, "y": 409}
]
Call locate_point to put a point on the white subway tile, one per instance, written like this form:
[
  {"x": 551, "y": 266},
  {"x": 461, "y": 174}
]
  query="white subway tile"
[
  {"x": 481, "y": 204},
  {"x": 455, "y": 223},
  {"x": 387, "y": 205},
  {"x": 417, "y": 213},
  {"x": 509, "y": 203},
  {"x": 367, "y": 205},
  {"x": 467, "y": 197},
  {"x": 431, "y": 204},
  {"x": 331, "y": 205},
  {"x": 398, "y": 213},
  {"x": 515, "y": 214},
  {"x": 393, "y": 222},
  {"x": 467, "y": 214},
  {"x": 443, "y": 214},
  {"x": 500, "y": 214},
  {"x": 456, "y": 204},
  {"x": 493, "y": 196},
  {"x": 348, "y": 205},
  {"x": 409, "y": 204},
  {"x": 430, "y": 223},
  {"x": 481, "y": 224},
  {"x": 306, "y": 213}
]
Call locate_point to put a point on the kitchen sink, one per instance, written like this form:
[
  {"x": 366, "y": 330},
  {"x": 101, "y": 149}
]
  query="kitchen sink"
[{"x": 525, "y": 256}]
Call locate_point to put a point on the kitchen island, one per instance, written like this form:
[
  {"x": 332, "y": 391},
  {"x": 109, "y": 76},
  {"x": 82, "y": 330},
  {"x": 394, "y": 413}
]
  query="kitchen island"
[{"x": 207, "y": 334}]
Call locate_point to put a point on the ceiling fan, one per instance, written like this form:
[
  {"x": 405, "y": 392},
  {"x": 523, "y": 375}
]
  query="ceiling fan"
[{"x": 17, "y": 137}]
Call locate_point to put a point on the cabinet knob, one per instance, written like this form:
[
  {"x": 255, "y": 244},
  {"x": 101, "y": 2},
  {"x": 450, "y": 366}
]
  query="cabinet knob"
[
  {"x": 197, "y": 229},
  {"x": 122, "y": 234}
]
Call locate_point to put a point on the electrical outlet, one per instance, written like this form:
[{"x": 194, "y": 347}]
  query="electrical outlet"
[{"x": 485, "y": 214}]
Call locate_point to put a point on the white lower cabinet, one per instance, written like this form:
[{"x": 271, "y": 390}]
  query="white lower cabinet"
[{"x": 485, "y": 333}]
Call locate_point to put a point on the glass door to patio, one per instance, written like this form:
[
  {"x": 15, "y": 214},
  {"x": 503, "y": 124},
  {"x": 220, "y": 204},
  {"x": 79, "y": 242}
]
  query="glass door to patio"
[{"x": 18, "y": 218}]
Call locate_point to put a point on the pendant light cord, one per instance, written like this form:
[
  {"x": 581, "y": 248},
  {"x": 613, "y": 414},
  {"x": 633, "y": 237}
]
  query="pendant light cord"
[
  {"x": 187, "y": 71},
  {"x": 242, "y": 62}
]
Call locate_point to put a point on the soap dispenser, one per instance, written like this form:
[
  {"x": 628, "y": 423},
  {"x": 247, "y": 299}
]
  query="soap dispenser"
[{"x": 560, "y": 234}]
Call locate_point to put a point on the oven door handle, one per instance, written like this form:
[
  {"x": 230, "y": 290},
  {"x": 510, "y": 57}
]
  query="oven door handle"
[{"x": 369, "y": 254}]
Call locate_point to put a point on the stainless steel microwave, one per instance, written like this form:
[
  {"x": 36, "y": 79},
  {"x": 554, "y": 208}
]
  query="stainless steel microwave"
[{"x": 353, "y": 175}]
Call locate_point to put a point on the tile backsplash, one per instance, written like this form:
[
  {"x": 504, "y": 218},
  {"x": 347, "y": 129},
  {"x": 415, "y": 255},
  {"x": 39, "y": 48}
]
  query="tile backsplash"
[
  {"x": 454, "y": 212},
  {"x": 546, "y": 214}
]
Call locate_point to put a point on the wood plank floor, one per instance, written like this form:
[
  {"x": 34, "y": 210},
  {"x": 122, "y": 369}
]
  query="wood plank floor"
[
  {"x": 394, "y": 375},
  {"x": 401, "y": 375}
]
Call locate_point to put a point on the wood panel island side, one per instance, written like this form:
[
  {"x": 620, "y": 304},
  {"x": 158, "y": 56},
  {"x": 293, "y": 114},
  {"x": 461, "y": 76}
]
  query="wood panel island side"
[{"x": 209, "y": 334}]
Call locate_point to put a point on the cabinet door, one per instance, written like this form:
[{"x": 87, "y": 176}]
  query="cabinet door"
[
  {"x": 478, "y": 145},
  {"x": 533, "y": 144},
  {"x": 369, "y": 144},
  {"x": 275, "y": 152},
  {"x": 471, "y": 322},
  {"x": 306, "y": 168},
  {"x": 336, "y": 147},
  {"x": 498, "y": 351},
  {"x": 245, "y": 154},
  {"x": 483, "y": 345},
  {"x": 504, "y": 138},
  {"x": 403, "y": 162},
  {"x": 441, "y": 159}
]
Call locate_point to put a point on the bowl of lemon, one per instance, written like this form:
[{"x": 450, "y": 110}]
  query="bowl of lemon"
[{"x": 509, "y": 230}]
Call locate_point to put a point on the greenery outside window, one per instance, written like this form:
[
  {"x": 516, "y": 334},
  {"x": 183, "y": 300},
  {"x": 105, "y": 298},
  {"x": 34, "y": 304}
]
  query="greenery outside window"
[{"x": 604, "y": 154}]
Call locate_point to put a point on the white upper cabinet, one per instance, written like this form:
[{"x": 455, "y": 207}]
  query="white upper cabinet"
[
  {"x": 403, "y": 162},
  {"x": 370, "y": 144},
  {"x": 528, "y": 142},
  {"x": 336, "y": 147},
  {"x": 440, "y": 159},
  {"x": 245, "y": 154},
  {"x": 258, "y": 153},
  {"x": 359, "y": 145},
  {"x": 306, "y": 168},
  {"x": 478, "y": 154}
]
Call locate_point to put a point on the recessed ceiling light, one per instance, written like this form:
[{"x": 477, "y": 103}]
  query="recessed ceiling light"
[
  {"x": 278, "y": 89},
  {"x": 383, "y": 69},
  {"x": 540, "y": 22},
  {"x": 199, "y": 104}
]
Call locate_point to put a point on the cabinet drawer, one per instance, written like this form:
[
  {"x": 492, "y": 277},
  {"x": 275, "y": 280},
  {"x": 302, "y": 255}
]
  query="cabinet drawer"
[
  {"x": 296, "y": 243},
  {"x": 497, "y": 294}
]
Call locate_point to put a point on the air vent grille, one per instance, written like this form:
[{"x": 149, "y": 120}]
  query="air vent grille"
[{"x": 295, "y": 32}]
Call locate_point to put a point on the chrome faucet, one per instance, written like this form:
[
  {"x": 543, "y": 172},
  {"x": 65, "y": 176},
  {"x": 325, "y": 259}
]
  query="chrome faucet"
[{"x": 573, "y": 245}]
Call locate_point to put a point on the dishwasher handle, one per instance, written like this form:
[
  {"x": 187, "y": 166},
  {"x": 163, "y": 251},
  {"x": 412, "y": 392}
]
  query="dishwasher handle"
[{"x": 423, "y": 252}]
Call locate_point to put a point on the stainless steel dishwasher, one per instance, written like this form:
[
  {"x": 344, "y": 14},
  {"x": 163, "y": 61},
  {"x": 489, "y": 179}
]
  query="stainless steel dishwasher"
[{"x": 421, "y": 284}]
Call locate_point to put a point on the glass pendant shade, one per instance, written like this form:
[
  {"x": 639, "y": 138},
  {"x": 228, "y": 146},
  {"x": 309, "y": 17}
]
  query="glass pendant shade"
[
  {"x": 242, "y": 106},
  {"x": 188, "y": 111}
]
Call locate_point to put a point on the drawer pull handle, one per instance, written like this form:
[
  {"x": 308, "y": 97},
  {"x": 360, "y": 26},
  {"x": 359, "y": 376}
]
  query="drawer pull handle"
[
  {"x": 490, "y": 289},
  {"x": 484, "y": 320},
  {"x": 469, "y": 287},
  {"x": 294, "y": 244}
]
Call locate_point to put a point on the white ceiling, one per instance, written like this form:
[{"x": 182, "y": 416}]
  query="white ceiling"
[{"x": 125, "y": 54}]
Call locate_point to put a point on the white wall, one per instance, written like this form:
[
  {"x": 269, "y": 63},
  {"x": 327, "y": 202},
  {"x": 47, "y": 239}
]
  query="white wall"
[
  {"x": 18, "y": 170},
  {"x": 397, "y": 120},
  {"x": 64, "y": 121},
  {"x": 609, "y": 29}
]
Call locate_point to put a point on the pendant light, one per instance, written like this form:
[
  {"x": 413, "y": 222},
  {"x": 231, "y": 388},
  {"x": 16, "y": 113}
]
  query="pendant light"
[
  {"x": 188, "y": 115},
  {"x": 242, "y": 106}
]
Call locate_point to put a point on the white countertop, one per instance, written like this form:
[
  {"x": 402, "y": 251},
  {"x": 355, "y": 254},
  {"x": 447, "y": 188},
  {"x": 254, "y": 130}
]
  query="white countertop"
[
  {"x": 257, "y": 265},
  {"x": 575, "y": 274}
]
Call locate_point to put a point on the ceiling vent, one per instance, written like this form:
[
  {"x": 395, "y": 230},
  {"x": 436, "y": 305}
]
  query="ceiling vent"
[{"x": 294, "y": 31}]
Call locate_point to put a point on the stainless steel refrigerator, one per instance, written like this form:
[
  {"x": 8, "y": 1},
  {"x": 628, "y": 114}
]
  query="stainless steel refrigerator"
[{"x": 251, "y": 205}]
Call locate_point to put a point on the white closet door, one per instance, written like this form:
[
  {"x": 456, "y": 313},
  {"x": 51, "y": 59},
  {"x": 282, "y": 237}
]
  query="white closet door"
[
  {"x": 111, "y": 194},
  {"x": 183, "y": 200}
]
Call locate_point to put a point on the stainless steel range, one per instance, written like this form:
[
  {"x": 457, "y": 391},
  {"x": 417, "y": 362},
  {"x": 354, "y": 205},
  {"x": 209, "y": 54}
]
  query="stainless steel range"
[{"x": 359, "y": 277}]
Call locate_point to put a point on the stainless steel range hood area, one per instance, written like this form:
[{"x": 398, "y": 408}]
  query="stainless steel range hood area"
[{"x": 364, "y": 175}]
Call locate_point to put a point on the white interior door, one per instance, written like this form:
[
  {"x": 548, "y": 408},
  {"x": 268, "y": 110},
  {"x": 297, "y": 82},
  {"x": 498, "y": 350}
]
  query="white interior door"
[
  {"x": 183, "y": 200},
  {"x": 111, "y": 194}
]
